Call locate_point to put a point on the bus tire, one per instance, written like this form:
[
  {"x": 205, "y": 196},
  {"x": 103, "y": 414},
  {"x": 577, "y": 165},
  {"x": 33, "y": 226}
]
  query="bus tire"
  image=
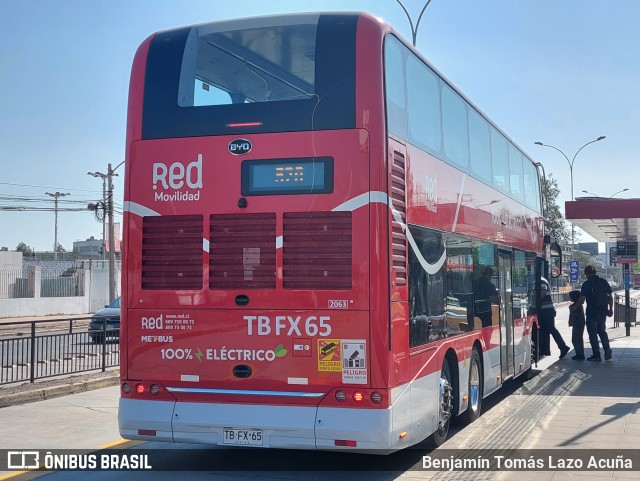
[
  {"x": 474, "y": 408},
  {"x": 445, "y": 407}
]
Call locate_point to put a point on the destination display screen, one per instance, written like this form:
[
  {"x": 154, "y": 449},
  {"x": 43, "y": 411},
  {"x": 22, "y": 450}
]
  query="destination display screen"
[{"x": 312, "y": 175}]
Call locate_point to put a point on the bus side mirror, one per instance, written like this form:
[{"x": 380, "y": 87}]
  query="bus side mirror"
[{"x": 555, "y": 267}]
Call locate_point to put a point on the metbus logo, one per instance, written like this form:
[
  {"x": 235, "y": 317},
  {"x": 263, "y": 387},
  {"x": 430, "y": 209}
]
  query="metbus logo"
[
  {"x": 176, "y": 176},
  {"x": 240, "y": 146}
]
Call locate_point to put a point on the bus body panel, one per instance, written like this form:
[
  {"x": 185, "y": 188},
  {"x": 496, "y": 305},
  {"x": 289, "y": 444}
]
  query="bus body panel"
[
  {"x": 278, "y": 350},
  {"x": 444, "y": 198},
  {"x": 163, "y": 189},
  {"x": 293, "y": 341}
]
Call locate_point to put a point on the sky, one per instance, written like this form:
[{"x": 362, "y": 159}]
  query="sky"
[{"x": 560, "y": 72}]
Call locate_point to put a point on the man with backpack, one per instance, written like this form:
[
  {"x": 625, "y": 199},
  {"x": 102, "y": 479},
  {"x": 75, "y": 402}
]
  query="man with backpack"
[{"x": 597, "y": 292}]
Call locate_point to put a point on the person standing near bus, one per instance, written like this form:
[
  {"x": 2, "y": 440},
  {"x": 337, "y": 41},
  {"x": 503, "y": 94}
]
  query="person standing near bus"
[
  {"x": 577, "y": 323},
  {"x": 546, "y": 318},
  {"x": 596, "y": 291},
  {"x": 486, "y": 294}
]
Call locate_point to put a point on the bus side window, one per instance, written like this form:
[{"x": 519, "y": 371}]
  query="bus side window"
[{"x": 426, "y": 291}]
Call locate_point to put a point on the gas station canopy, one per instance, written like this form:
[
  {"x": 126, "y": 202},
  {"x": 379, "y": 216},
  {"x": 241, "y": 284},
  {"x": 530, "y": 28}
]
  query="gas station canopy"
[{"x": 606, "y": 220}]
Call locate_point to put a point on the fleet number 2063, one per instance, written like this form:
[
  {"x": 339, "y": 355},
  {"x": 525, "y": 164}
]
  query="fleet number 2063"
[{"x": 288, "y": 325}]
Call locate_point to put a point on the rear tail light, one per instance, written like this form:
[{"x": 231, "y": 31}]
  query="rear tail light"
[
  {"x": 345, "y": 442},
  {"x": 346, "y": 397},
  {"x": 144, "y": 390}
]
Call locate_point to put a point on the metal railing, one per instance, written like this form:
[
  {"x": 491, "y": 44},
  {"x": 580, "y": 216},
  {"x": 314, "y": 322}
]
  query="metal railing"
[
  {"x": 31, "y": 350},
  {"x": 559, "y": 297},
  {"x": 620, "y": 307}
]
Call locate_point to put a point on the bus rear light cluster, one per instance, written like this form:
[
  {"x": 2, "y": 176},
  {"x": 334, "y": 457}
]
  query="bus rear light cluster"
[
  {"x": 141, "y": 389},
  {"x": 359, "y": 397}
]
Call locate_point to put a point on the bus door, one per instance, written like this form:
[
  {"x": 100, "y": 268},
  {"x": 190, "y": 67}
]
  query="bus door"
[{"x": 507, "y": 360}]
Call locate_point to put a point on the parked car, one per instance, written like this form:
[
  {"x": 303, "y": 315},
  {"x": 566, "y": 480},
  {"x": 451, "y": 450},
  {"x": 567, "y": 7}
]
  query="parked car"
[{"x": 110, "y": 313}]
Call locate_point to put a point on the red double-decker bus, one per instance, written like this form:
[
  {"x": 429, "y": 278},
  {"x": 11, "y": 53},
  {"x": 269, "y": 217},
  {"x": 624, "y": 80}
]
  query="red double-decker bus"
[{"x": 326, "y": 245}]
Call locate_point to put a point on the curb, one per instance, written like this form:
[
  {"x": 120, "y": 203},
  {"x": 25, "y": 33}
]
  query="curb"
[{"x": 67, "y": 387}]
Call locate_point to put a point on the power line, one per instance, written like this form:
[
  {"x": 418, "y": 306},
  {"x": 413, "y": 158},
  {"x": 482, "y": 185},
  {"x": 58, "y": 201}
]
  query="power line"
[{"x": 44, "y": 187}]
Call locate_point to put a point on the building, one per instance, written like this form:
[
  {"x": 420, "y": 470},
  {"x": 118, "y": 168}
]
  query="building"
[
  {"x": 91, "y": 248},
  {"x": 589, "y": 247}
]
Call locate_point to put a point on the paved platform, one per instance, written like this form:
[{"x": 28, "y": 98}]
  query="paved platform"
[{"x": 566, "y": 405}]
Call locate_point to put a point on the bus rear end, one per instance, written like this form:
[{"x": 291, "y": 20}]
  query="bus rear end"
[{"x": 249, "y": 219}]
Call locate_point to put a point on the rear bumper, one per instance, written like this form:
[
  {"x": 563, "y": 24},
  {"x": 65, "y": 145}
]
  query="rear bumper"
[{"x": 288, "y": 427}]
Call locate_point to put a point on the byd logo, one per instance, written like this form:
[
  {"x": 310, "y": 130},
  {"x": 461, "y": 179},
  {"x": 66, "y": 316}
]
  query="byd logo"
[{"x": 240, "y": 146}]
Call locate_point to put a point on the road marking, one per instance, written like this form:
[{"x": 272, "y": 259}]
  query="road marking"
[
  {"x": 12, "y": 475},
  {"x": 112, "y": 444}
]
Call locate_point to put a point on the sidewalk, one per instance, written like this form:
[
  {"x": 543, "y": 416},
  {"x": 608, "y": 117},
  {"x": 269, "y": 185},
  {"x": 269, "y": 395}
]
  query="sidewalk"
[{"x": 567, "y": 405}]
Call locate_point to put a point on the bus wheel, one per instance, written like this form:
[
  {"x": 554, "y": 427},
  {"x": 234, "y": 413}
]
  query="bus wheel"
[
  {"x": 445, "y": 408},
  {"x": 475, "y": 389}
]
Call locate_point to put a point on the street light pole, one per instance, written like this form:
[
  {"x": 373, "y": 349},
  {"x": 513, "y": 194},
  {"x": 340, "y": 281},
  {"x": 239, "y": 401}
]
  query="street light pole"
[
  {"x": 56, "y": 196},
  {"x": 414, "y": 31},
  {"x": 619, "y": 192},
  {"x": 610, "y": 197},
  {"x": 571, "y": 162}
]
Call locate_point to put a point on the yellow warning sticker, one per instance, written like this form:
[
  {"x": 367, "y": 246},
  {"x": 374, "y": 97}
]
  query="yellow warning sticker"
[{"x": 329, "y": 358}]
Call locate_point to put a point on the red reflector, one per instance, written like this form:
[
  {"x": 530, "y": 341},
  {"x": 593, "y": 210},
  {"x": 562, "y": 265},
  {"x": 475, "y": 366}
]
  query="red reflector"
[
  {"x": 358, "y": 397},
  {"x": 345, "y": 442},
  {"x": 140, "y": 388},
  {"x": 146, "y": 432},
  {"x": 245, "y": 124}
]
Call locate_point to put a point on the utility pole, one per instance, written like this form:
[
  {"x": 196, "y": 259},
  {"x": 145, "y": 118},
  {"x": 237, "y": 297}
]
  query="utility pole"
[
  {"x": 112, "y": 244},
  {"x": 56, "y": 196},
  {"x": 104, "y": 208},
  {"x": 107, "y": 202}
]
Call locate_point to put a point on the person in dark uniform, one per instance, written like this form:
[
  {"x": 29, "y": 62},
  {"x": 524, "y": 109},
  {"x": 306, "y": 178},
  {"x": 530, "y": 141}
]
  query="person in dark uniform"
[
  {"x": 546, "y": 318},
  {"x": 486, "y": 294}
]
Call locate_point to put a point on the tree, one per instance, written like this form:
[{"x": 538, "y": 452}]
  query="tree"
[
  {"x": 60, "y": 249},
  {"x": 554, "y": 222},
  {"x": 25, "y": 249}
]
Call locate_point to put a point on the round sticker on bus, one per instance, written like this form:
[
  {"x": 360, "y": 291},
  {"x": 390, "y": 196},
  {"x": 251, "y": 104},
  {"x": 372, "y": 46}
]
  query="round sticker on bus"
[{"x": 240, "y": 146}]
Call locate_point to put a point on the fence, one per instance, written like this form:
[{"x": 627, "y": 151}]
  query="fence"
[
  {"x": 620, "y": 310},
  {"x": 25, "y": 283},
  {"x": 31, "y": 350}
]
